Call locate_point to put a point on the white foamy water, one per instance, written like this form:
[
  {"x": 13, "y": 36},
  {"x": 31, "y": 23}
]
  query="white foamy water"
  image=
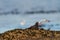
[{"x": 10, "y": 22}]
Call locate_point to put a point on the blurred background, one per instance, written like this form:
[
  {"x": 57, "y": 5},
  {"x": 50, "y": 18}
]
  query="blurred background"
[{"x": 13, "y": 12}]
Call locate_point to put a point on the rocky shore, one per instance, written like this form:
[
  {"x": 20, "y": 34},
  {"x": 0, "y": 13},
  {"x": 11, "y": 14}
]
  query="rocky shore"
[{"x": 31, "y": 33}]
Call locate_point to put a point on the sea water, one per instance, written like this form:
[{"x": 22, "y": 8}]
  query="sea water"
[{"x": 10, "y": 22}]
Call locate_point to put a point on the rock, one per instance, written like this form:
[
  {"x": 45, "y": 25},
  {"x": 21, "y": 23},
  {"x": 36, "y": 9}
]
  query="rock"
[{"x": 29, "y": 34}]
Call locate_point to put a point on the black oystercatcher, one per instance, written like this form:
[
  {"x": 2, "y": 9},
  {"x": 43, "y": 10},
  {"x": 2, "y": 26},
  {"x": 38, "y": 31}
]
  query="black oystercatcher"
[{"x": 39, "y": 24}]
